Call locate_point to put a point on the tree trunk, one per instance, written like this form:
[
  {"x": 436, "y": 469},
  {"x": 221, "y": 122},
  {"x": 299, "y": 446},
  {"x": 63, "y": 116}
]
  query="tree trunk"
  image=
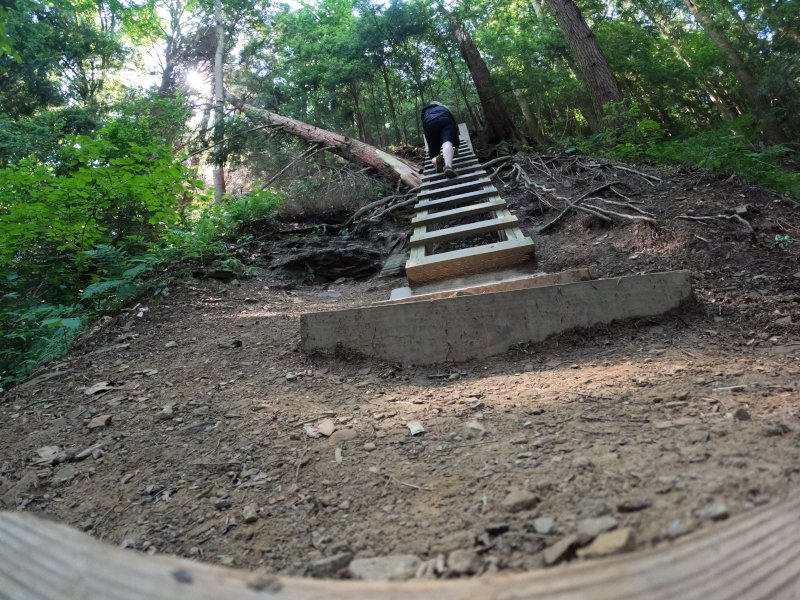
[
  {"x": 400, "y": 137},
  {"x": 219, "y": 104},
  {"x": 350, "y": 149},
  {"x": 530, "y": 119},
  {"x": 591, "y": 62},
  {"x": 499, "y": 126},
  {"x": 745, "y": 76}
]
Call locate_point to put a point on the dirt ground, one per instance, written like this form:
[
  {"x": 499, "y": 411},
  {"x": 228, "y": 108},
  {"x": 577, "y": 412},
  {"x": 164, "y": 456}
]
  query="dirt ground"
[{"x": 184, "y": 424}]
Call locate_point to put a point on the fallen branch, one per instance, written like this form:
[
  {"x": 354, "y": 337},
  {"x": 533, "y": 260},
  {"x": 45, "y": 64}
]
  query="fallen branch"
[
  {"x": 714, "y": 217},
  {"x": 626, "y": 205},
  {"x": 646, "y": 177},
  {"x": 613, "y": 213},
  {"x": 315, "y": 149},
  {"x": 500, "y": 159},
  {"x": 571, "y": 205}
]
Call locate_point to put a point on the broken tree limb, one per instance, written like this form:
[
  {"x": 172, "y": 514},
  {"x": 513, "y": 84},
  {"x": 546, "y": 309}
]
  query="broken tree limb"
[
  {"x": 744, "y": 222},
  {"x": 308, "y": 153},
  {"x": 646, "y": 177},
  {"x": 348, "y": 148},
  {"x": 613, "y": 213},
  {"x": 574, "y": 204}
]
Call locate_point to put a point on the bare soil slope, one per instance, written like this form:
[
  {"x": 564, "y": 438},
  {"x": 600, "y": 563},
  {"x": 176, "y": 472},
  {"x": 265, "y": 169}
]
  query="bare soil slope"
[{"x": 184, "y": 424}]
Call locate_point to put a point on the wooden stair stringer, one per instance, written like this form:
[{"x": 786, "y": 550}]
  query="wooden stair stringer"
[{"x": 442, "y": 205}]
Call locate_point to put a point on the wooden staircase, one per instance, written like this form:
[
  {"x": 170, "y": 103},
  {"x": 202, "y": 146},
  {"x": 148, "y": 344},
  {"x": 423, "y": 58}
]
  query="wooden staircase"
[{"x": 461, "y": 225}]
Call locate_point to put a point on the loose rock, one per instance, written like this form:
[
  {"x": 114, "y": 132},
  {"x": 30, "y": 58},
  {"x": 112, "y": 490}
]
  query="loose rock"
[
  {"x": 715, "y": 512},
  {"x": 560, "y": 550},
  {"x": 588, "y": 529},
  {"x": 99, "y": 421},
  {"x": 397, "y": 567},
  {"x": 330, "y": 566},
  {"x": 519, "y": 500},
  {"x": 543, "y": 525},
  {"x": 463, "y": 562},
  {"x": 608, "y": 543}
]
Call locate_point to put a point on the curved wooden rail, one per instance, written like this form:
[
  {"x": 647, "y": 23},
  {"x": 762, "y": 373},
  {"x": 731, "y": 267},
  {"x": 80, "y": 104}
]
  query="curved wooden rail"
[{"x": 756, "y": 555}]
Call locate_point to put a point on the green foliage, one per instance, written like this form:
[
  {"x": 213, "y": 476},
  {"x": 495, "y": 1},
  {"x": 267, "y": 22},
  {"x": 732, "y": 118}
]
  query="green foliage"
[
  {"x": 731, "y": 149},
  {"x": 34, "y": 333}
]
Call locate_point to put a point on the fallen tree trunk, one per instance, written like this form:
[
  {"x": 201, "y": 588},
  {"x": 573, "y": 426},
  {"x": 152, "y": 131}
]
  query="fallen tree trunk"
[{"x": 348, "y": 148}]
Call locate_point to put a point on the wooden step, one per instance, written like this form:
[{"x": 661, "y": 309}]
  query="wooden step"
[
  {"x": 454, "y": 189},
  {"x": 450, "y": 181},
  {"x": 468, "y": 260},
  {"x": 495, "y": 203},
  {"x": 471, "y": 196},
  {"x": 462, "y": 231}
]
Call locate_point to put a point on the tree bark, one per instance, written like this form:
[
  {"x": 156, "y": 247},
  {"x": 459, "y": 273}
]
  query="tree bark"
[
  {"x": 499, "y": 126},
  {"x": 591, "y": 62},
  {"x": 531, "y": 121},
  {"x": 219, "y": 104},
  {"x": 746, "y": 78},
  {"x": 350, "y": 149}
]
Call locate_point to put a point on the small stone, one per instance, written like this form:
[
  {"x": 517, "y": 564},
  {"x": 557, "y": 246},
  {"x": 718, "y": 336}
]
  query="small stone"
[
  {"x": 329, "y": 566},
  {"x": 633, "y": 505},
  {"x": 560, "y": 550},
  {"x": 519, "y": 500},
  {"x": 250, "y": 513},
  {"x": 474, "y": 430},
  {"x": 222, "y": 502},
  {"x": 741, "y": 414},
  {"x": 677, "y": 528},
  {"x": 99, "y": 421},
  {"x": 453, "y": 541},
  {"x": 774, "y": 429},
  {"x": 166, "y": 413},
  {"x": 65, "y": 474},
  {"x": 698, "y": 436},
  {"x": 715, "y": 512},
  {"x": 543, "y": 525},
  {"x": 608, "y": 543},
  {"x": 170, "y": 344},
  {"x": 463, "y": 562},
  {"x": 369, "y": 446},
  {"x": 397, "y": 567},
  {"x": 290, "y": 376},
  {"x": 343, "y": 435},
  {"x": 588, "y": 529},
  {"x": 581, "y": 462},
  {"x": 415, "y": 427}
]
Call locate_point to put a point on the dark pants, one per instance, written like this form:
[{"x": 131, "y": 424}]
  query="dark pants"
[{"x": 439, "y": 131}]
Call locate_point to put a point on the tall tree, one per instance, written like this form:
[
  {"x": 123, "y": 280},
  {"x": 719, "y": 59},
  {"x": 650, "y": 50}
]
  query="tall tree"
[
  {"x": 499, "y": 126},
  {"x": 589, "y": 58},
  {"x": 747, "y": 79},
  {"x": 219, "y": 103}
]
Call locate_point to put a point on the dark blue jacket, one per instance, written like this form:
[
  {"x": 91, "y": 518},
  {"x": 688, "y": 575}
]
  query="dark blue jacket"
[{"x": 432, "y": 112}]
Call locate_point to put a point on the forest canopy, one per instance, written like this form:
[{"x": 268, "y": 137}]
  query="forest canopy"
[{"x": 113, "y": 114}]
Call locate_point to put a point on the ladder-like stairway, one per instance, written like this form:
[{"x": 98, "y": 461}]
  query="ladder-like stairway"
[{"x": 450, "y": 238}]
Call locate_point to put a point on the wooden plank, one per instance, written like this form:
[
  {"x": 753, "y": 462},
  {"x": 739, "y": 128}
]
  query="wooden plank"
[
  {"x": 518, "y": 283},
  {"x": 454, "y": 189},
  {"x": 754, "y": 555},
  {"x": 484, "y": 192},
  {"x": 463, "y": 136},
  {"x": 461, "y": 177},
  {"x": 462, "y": 231},
  {"x": 473, "y": 167},
  {"x": 474, "y": 327},
  {"x": 469, "y": 260},
  {"x": 457, "y": 213},
  {"x": 417, "y": 254}
]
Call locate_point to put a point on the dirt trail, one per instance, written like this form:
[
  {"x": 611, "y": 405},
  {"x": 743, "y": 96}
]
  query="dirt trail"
[{"x": 196, "y": 442}]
